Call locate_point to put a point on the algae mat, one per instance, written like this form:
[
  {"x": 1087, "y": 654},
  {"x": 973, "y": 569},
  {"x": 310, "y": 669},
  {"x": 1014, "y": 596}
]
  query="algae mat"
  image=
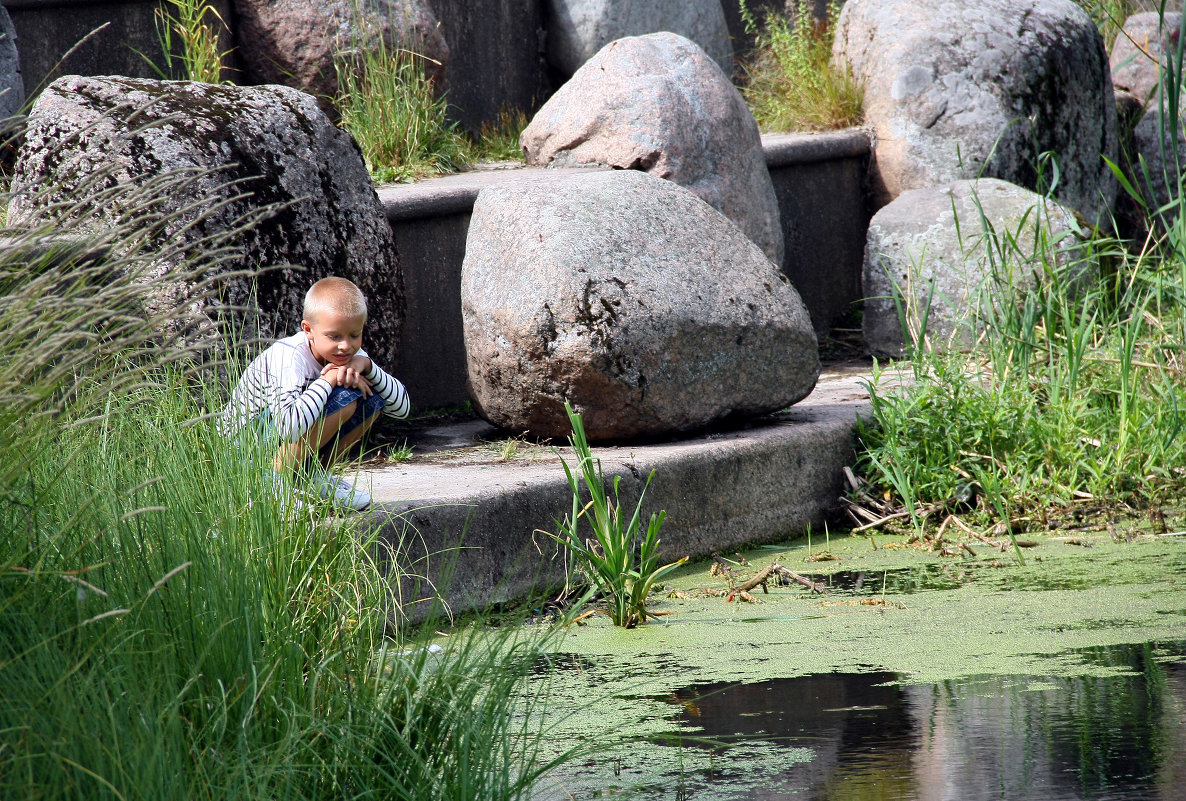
[{"x": 977, "y": 630}]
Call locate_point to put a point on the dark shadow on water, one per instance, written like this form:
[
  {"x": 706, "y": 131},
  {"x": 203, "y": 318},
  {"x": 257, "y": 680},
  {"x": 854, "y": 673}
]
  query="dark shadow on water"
[{"x": 1116, "y": 736}]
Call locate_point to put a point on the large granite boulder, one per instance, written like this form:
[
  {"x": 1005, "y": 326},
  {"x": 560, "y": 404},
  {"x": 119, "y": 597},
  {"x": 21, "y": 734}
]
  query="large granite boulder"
[
  {"x": 12, "y": 86},
  {"x": 928, "y": 258},
  {"x": 631, "y": 298},
  {"x": 658, "y": 103},
  {"x": 246, "y": 149},
  {"x": 579, "y": 28},
  {"x": 294, "y": 42},
  {"x": 962, "y": 90},
  {"x": 1139, "y": 49}
]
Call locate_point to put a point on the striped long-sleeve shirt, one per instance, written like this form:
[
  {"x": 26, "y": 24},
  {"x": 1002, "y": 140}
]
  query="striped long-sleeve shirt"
[{"x": 285, "y": 380}]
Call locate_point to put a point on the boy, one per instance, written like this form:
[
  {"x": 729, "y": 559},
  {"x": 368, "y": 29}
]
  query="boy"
[{"x": 317, "y": 391}]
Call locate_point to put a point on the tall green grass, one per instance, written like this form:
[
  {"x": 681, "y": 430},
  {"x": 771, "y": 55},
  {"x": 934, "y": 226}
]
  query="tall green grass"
[
  {"x": 171, "y": 624},
  {"x": 396, "y": 115},
  {"x": 189, "y": 33},
  {"x": 790, "y": 83},
  {"x": 1073, "y": 391}
]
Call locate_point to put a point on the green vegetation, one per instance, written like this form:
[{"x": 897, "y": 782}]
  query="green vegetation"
[
  {"x": 1109, "y": 15},
  {"x": 172, "y": 623},
  {"x": 1072, "y": 395},
  {"x": 790, "y": 82},
  {"x": 400, "y": 120},
  {"x": 620, "y": 562},
  {"x": 392, "y": 109},
  {"x": 188, "y": 31}
]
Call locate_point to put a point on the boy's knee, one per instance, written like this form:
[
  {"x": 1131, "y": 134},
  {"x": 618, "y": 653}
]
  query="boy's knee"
[{"x": 372, "y": 406}]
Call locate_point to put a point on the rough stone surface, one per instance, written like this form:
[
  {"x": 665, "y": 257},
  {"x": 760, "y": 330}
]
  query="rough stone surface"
[
  {"x": 496, "y": 61},
  {"x": 293, "y": 42},
  {"x": 460, "y": 513},
  {"x": 658, "y": 103},
  {"x": 58, "y": 38},
  {"x": 579, "y": 28},
  {"x": 1154, "y": 144},
  {"x": 272, "y": 142},
  {"x": 958, "y": 90},
  {"x": 631, "y": 298},
  {"x": 913, "y": 243},
  {"x": 1139, "y": 49},
  {"x": 12, "y": 87}
]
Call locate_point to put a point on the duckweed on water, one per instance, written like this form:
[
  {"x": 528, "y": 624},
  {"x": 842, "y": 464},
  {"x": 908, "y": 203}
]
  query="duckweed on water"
[{"x": 976, "y": 627}]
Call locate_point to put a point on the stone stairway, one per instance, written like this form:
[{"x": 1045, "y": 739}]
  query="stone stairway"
[{"x": 463, "y": 518}]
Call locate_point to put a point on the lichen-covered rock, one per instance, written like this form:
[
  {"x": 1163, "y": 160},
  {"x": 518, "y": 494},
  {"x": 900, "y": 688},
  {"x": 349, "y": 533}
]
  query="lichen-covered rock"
[
  {"x": 12, "y": 86},
  {"x": 657, "y": 103},
  {"x": 927, "y": 256},
  {"x": 247, "y": 148},
  {"x": 294, "y": 42},
  {"x": 1139, "y": 49},
  {"x": 629, "y": 297},
  {"x": 959, "y": 90},
  {"x": 579, "y": 28}
]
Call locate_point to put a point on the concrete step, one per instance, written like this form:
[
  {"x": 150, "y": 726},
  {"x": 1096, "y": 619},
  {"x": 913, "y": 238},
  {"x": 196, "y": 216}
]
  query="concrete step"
[{"x": 459, "y": 516}]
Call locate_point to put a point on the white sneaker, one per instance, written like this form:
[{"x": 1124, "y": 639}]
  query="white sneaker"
[
  {"x": 340, "y": 492},
  {"x": 283, "y": 491}
]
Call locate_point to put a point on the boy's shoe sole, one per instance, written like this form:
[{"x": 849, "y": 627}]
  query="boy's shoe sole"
[{"x": 340, "y": 492}]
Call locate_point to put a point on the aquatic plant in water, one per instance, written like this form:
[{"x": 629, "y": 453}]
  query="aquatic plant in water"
[{"x": 621, "y": 562}]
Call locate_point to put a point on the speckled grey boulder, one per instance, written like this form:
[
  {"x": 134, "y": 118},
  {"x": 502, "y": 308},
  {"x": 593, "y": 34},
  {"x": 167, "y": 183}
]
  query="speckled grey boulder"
[
  {"x": 579, "y": 28},
  {"x": 293, "y": 42},
  {"x": 935, "y": 237},
  {"x": 1138, "y": 51},
  {"x": 953, "y": 89},
  {"x": 658, "y": 103},
  {"x": 633, "y": 299},
  {"x": 274, "y": 141},
  {"x": 12, "y": 86}
]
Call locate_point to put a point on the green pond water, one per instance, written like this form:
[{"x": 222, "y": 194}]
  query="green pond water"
[{"x": 914, "y": 677}]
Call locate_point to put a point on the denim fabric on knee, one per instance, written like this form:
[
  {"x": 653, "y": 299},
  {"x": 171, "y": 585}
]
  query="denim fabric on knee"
[{"x": 340, "y": 398}]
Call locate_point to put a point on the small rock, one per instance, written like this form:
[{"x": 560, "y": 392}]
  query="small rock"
[
  {"x": 1138, "y": 51},
  {"x": 631, "y": 298},
  {"x": 658, "y": 103}
]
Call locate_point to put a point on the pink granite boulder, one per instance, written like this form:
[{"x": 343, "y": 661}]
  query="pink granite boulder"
[
  {"x": 659, "y": 104},
  {"x": 631, "y": 298},
  {"x": 294, "y": 42}
]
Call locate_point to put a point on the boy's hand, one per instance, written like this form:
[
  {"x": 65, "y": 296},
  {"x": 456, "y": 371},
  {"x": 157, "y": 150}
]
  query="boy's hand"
[
  {"x": 347, "y": 376},
  {"x": 360, "y": 363}
]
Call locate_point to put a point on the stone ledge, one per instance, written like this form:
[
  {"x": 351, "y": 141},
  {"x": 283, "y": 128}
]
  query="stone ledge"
[
  {"x": 789, "y": 149},
  {"x": 455, "y": 194},
  {"x": 474, "y": 521}
]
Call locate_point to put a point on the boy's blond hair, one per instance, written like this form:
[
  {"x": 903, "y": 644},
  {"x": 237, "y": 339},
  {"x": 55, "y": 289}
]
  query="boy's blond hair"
[{"x": 334, "y": 294}]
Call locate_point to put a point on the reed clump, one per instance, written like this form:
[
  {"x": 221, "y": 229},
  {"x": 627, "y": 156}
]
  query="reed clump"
[
  {"x": 790, "y": 82},
  {"x": 172, "y": 623}
]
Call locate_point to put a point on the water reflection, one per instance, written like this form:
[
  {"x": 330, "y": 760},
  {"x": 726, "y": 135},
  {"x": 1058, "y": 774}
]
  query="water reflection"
[
  {"x": 996, "y": 737},
  {"x": 1112, "y": 737}
]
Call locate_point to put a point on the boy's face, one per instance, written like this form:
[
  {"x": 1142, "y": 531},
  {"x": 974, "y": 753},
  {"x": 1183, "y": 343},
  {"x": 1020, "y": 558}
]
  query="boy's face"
[{"x": 334, "y": 337}]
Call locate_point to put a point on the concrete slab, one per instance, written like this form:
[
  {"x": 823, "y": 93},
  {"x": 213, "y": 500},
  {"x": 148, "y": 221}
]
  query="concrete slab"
[{"x": 459, "y": 516}]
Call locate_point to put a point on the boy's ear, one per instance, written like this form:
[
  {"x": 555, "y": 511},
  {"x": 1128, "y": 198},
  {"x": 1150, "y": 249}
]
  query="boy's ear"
[{"x": 308, "y": 329}]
